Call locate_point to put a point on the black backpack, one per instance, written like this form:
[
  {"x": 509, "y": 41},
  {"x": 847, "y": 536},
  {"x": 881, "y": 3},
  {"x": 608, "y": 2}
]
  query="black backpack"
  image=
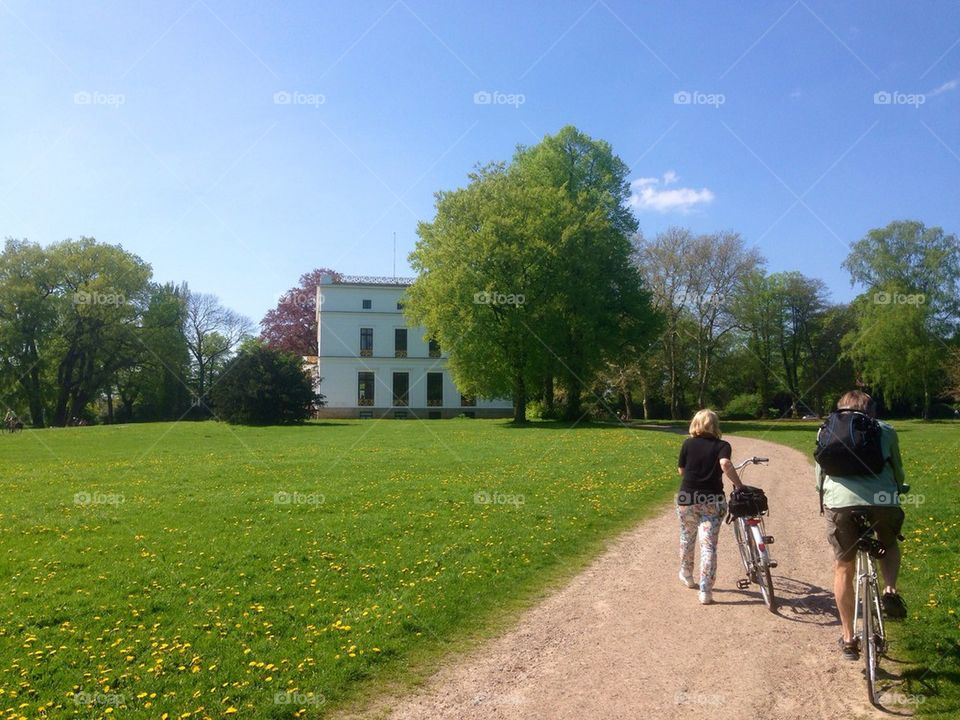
[{"x": 848, "y": 443}]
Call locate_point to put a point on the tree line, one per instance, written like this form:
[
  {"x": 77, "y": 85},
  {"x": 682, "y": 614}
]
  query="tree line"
[
  {"x": 536, "y": 279},
  {"x": 86, "y": 333},
  {"x": 612, "y": 322}
]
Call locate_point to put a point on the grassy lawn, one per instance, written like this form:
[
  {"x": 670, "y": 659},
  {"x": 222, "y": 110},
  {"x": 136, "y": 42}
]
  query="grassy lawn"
[
  {"x": 930, "y": 578},
  {"x": 198, "y": 570}
]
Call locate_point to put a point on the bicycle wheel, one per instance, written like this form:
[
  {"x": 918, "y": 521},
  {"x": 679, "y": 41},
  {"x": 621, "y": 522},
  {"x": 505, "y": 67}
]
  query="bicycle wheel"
[
  {"x": 763, "y": 578},
  {"x": 869, "y": 639}
]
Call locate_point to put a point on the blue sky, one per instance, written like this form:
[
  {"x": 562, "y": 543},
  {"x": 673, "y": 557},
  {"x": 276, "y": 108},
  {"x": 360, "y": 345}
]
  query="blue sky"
[{"x": 236, "y": 145}]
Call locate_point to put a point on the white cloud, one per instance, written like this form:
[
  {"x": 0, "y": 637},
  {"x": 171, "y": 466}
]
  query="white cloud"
[
  {"x": 946, "y": 87},
  {"x": 651, "y": 194}
]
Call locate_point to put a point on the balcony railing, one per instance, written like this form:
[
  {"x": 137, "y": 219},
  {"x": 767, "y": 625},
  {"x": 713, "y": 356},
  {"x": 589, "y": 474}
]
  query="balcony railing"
[
  {"x": 434, "y": 402},
  {"x": 365, "y": 402},
  {"x": 400, "y": 353},
  {"x": 366, "y": 352}
]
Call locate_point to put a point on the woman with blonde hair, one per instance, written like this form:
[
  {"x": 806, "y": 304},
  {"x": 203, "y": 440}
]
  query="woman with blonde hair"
[{"x": 701, "y": 504}]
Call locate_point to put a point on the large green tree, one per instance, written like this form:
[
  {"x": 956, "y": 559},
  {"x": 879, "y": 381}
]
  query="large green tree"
[
  {"x": 526, "y": 272},
  {"x": 909, "y": 310},
  {"x": 102, "y": 293},
  {"x": 27, "y": 318}
]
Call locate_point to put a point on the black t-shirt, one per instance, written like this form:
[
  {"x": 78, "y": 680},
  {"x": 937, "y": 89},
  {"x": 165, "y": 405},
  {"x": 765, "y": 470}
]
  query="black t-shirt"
[{"x": 702, "y": 476}]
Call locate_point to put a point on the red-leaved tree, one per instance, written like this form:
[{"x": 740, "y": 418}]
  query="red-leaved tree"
[{"x": 292, "y": 325}]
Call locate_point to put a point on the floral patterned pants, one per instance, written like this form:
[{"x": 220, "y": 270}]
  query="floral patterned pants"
[{"x": 703, "y": 519}]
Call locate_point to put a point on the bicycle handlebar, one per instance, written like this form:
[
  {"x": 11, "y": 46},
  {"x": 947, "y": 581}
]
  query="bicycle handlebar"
[{"x": 752, "y": 461}]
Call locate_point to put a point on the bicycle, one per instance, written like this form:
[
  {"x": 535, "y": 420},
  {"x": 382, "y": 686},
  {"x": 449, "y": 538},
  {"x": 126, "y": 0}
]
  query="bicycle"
[
  {"x": 752, "y": 541},
  {"x": 867, "y": 614}
]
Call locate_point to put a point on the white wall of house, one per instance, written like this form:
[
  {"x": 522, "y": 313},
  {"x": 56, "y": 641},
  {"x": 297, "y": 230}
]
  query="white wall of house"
[{"x": 340, "y": 316}]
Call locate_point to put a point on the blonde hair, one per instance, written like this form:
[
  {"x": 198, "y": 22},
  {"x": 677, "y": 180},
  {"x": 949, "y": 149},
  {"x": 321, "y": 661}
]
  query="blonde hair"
[
  {"x": 705, "y": 422},
  {"x": 856, "y": 400}
]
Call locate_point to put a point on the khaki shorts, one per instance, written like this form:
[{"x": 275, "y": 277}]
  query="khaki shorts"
[{"x": 842, "y": 531}]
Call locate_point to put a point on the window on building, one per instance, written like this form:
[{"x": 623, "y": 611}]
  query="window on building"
[
  {"x": 467, "y": 401},
  {"x": 399, "y": 306},
  {"x": 401, "y": 389},
  {"x": 400, "y": 342},
  {"x": 435, "y": 389},
  {"x": 365, "y": 389},
  {"x": 366, "y": 342},
  {"x": 434, "y": 348},
  {"x": 367, "y": 304}
]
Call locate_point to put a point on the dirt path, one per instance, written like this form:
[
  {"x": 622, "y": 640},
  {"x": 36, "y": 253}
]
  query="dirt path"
[{"x": 624, "y": 639}]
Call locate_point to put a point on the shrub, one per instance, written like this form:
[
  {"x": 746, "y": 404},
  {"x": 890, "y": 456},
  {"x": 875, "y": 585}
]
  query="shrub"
[
  {"x": 748, "y": 406},
  {"x": 262, "y": 386}
]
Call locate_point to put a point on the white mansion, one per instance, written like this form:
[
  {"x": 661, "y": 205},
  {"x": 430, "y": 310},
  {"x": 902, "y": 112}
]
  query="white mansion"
[{"x": 371, "y": 364}]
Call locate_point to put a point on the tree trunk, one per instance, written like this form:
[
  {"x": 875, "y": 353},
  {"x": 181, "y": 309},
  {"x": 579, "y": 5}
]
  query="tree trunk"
[
  {"x": 548, "y": 396},
  {"x": 34, "y": 398},
  {"x": 109, "y": 406},
  {"x": 628, "y": 405},
  {"x": 519, "y": 399},
  {"x": 572, "y": 411}
]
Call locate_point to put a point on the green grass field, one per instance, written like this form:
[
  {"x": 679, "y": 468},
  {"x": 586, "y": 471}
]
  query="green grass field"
[
  {"x": 930, "y": 574},
  {"x": 199, "y": 570}
]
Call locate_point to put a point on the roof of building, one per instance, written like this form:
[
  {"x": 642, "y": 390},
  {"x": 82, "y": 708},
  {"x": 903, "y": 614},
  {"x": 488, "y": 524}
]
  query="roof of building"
[{"x": 368, "y": 280}]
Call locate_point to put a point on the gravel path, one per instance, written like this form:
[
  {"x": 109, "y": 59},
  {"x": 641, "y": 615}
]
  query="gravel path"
[{"x": 624, "y": 638}]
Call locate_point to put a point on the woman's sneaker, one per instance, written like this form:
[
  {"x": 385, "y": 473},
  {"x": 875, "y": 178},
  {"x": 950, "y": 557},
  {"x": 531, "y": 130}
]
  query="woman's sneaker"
[
  {"x": 850, "y": 650},
  {"x": 687, "y": 580},
  {"x": 706, "y": 597},
  {"x": 893, "y": 606}
]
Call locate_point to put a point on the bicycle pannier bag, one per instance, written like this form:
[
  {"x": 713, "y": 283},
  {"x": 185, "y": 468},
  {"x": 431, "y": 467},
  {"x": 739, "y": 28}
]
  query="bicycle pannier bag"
[{"x": 747, "y": 501}]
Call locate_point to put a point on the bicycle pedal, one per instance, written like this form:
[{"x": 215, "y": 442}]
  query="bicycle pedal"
[
  {"x": 768, "y": 539},
  {"x": 743, "y": 584},
  {"x": 772, "y": 564}
]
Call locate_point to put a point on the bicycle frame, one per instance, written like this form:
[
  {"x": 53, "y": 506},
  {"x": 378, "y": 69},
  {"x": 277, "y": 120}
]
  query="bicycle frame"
[
  {"x": 868, "y": 619},
  {"x": 752, "y": 541}
]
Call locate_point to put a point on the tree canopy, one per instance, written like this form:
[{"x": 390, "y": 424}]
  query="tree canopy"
[{"x": 525, "y": 273}]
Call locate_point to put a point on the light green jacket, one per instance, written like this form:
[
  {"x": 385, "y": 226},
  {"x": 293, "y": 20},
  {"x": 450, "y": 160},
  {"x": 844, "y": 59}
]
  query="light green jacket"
[{"x": 881, "y": 489}]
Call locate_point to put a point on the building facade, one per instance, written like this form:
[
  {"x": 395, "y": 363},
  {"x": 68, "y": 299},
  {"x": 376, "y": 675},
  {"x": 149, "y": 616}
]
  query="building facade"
[{"x": 371, "y": 364}]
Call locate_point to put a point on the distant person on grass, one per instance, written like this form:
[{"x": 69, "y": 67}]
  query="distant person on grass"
[
  {"x": 878, "y": 495},
  {"x": 701, "y": 504}
]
